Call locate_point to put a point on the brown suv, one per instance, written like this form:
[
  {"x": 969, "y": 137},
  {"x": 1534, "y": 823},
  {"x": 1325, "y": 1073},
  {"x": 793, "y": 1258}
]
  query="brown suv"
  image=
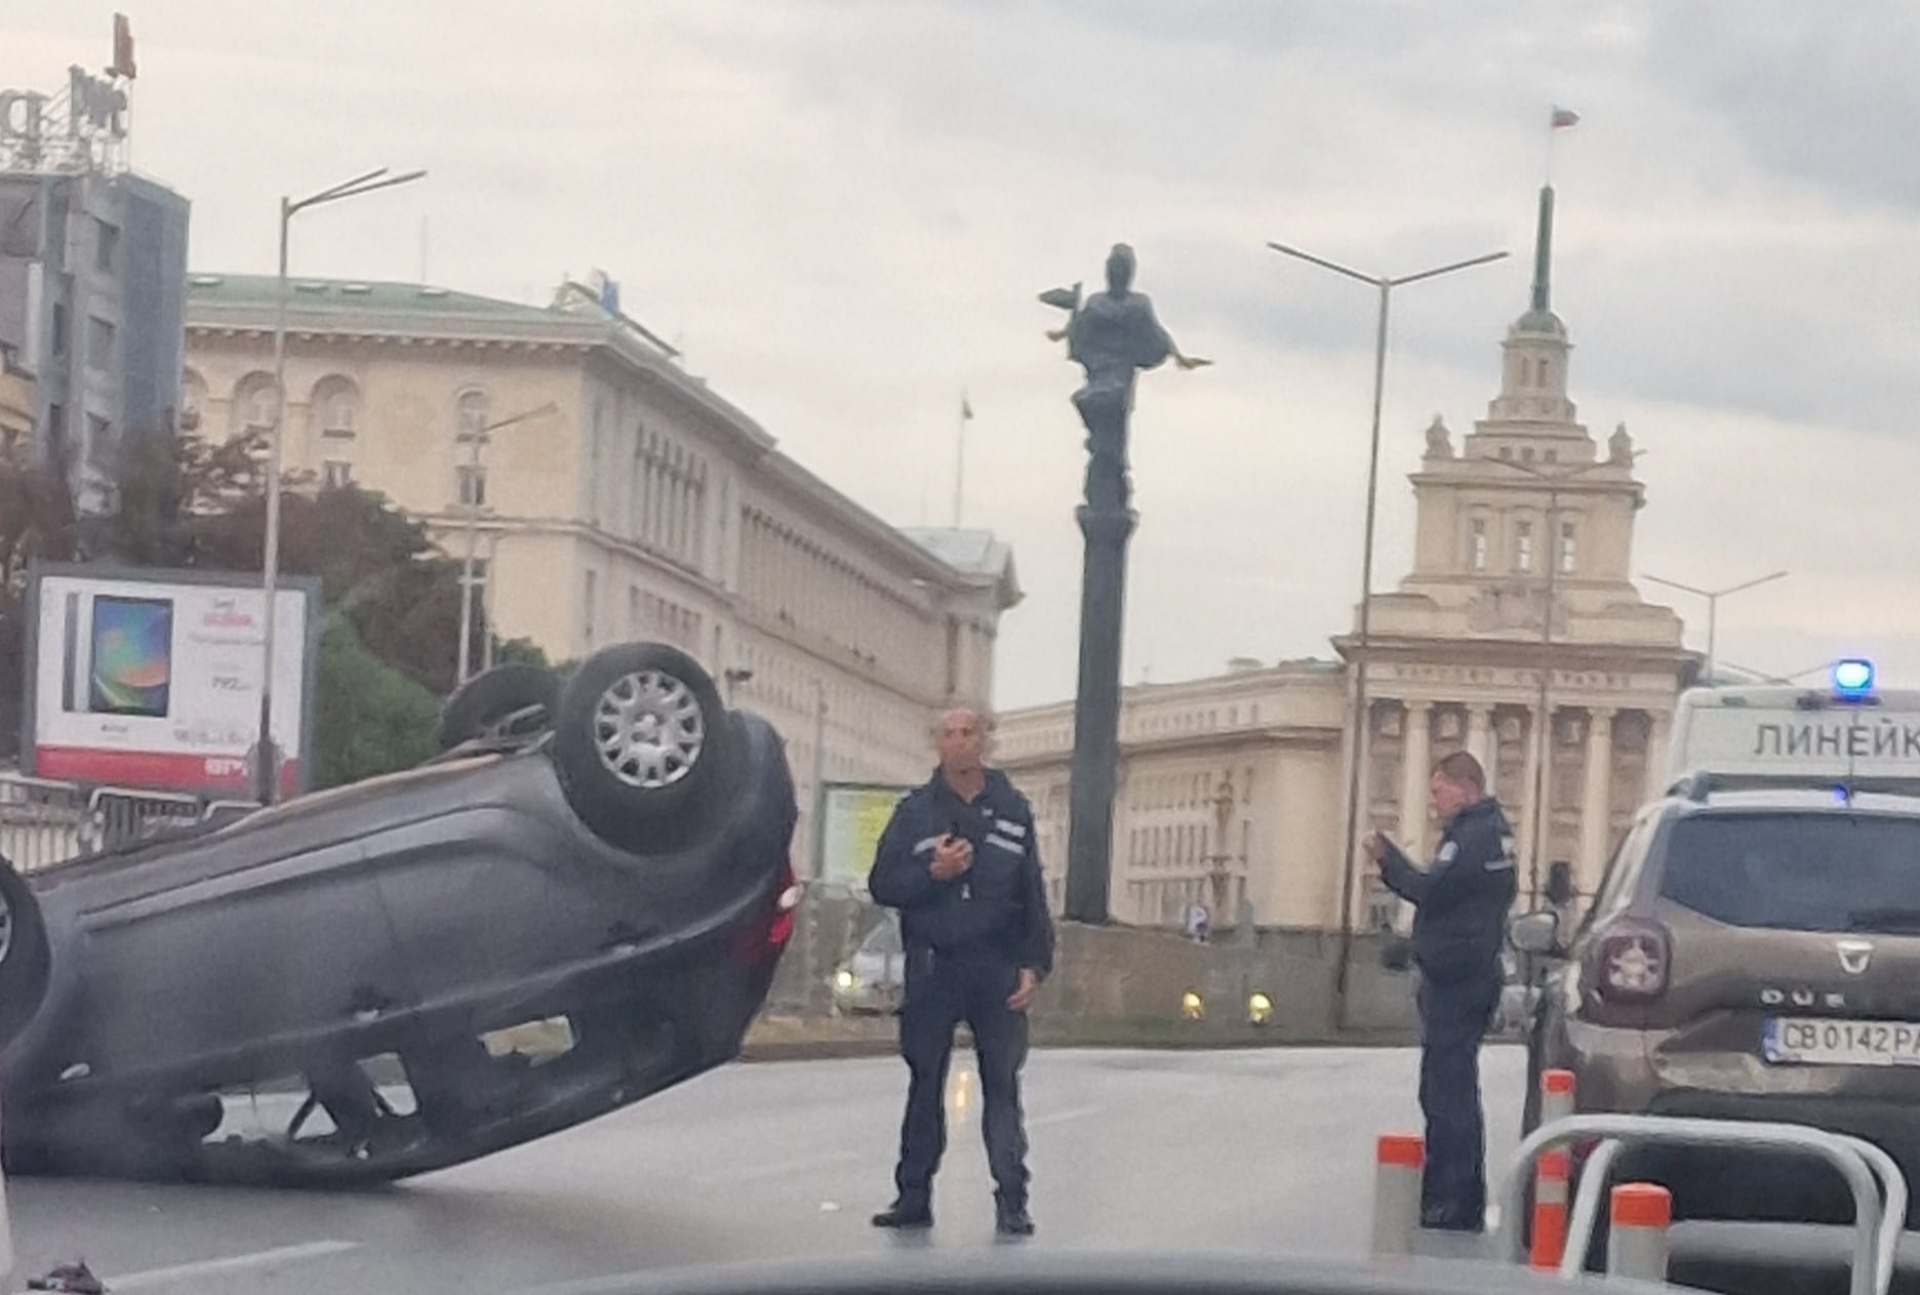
[{"x": 1751, "y": 954}]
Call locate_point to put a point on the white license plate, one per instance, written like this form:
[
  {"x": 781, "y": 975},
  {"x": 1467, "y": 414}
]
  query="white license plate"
[{"x": 1817, "y": 1041}]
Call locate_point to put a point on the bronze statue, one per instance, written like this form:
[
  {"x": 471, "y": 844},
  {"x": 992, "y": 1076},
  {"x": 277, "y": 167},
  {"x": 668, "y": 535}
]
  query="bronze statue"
[{"x": 1112, "y": 335}]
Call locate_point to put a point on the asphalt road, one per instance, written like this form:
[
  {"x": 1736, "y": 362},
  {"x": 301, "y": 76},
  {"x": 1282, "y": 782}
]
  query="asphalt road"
[{"x": 1265, "y": 1151}]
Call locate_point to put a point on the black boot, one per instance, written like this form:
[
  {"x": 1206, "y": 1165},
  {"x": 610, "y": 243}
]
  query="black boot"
[
  {"x": 904, "y": 1214},
  {"x": 1012, "y": 1220}
]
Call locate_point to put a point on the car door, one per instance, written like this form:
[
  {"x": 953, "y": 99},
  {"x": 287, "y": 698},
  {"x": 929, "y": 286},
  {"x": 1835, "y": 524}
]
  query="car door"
[{"x": 246, "y": 946}]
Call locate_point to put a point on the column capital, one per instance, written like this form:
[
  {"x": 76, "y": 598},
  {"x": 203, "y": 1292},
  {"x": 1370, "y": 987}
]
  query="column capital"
[
  {"x": 1418, "y": 708},
  {"x": 1599, "y": 711}
]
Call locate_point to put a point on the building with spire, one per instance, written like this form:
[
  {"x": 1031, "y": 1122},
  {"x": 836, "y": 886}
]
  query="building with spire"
[{"x": 1517, "y": 635}]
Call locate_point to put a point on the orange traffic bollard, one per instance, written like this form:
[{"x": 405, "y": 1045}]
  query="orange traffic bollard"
[
  {"x": 1637, "y": 1247},
  {"x": 1555, "y": 1166},
  {"x": 1556, "y": 1095},
  {"x": 1398, "y": 1161}
]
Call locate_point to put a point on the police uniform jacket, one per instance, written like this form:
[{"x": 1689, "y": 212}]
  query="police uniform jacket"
[
  {"x": 996, "y": 908},
  {"x": 1462, "y": 898}
]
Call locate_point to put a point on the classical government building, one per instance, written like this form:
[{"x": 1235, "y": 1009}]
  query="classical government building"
[
  {"x": 613, "y": 496},
  {"x": 1518, "y": 635}
]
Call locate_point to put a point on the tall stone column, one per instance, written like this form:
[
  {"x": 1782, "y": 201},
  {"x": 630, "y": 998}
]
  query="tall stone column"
[
  {"x": 1597, "y": 803},
  {"x": 1415, "y": 747},
  {"x": 1482, "y": 742},
  {"x": 1659, "y": 725},
  {"x": 1526, "y": 815}
]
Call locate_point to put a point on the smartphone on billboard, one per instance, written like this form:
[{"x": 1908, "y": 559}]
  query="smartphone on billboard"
[{"x": 131, "y": 672}]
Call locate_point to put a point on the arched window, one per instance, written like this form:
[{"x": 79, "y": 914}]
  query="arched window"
[
  {"x": 470, "y": 414},
  {"x": 336, "y": 408},
  {"x": 254, "y": 408}
]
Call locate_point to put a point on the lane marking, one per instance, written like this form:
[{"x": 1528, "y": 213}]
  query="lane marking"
[{"x": 152, "y": 1277}]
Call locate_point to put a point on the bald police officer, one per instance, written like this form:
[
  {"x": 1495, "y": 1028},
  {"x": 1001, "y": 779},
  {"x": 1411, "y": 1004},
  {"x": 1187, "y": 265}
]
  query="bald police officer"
[{"x": 959, "y": 860}]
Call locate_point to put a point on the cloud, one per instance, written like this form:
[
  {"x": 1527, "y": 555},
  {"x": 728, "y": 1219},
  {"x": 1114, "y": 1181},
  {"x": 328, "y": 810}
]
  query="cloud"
[{"x": 843, "y": 210}]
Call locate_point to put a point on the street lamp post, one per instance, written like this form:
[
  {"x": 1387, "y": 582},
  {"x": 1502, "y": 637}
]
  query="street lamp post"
[
  {"x": 266, "y": 762},
  {"x": 475, "y": 440},
  {"x": 1542, "y": 746},
  {"x": 1713, "y": 597},
  {"x": 1357, "y": 737}
]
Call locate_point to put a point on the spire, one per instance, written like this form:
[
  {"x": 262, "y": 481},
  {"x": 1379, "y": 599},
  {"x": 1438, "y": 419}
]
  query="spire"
[
  {"x": 1543, "y": 253},
  {"x": 1540, "y": 317}
]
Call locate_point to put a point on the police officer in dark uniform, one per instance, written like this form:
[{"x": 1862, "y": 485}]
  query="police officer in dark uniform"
[
  {"x": 958, "y": 859},
  {"x": 1461, "y": 902}
]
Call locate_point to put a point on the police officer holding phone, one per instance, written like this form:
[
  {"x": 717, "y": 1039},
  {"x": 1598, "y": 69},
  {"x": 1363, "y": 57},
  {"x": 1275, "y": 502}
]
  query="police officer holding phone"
[
  {"x": 959, "y": 860},
  {"x": 1461, "y": 901}
]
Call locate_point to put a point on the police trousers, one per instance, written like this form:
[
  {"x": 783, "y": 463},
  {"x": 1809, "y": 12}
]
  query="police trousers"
[
  {"x": 944, "y": 989},
  {"x": 1453, "y": 1022}
]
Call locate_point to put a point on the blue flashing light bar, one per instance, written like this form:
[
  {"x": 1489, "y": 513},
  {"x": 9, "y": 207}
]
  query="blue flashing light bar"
[{"x": 1853, "y": 677}]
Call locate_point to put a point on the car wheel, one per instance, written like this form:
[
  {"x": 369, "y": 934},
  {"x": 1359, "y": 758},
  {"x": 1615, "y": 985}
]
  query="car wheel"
[
  {"x": 642, "y": 743},
  {"x": 24, "y": 963},
  {"x": 482, "y": 703}
]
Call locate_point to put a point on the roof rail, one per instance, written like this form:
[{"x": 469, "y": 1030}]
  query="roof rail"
[{"x": 1702, "y": 783}]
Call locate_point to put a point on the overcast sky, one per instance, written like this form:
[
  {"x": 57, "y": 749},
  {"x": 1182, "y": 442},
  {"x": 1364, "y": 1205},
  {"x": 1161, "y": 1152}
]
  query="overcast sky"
[{"x": 844, "y": 210}]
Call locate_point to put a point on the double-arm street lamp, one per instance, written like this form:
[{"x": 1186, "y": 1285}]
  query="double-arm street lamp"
[
  {"x": 1384, "y": 286},
  {"x": 1713, "y": 597},
  {"x": 266, "y": 767}
]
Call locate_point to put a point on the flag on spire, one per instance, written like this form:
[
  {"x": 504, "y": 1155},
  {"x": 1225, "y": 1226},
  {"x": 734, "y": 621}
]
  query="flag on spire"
[
  {"x": 966, "y": 409},
  {"x": 1564, "y": 117}
]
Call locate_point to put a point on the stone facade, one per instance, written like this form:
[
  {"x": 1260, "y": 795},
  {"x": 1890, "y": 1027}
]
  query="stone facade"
[
  {"x": 640, "y": 505},
  {"x": 93, "y": 270},
  {"x": 16, "y": 401},
  {"x": 1518, "y": 635}
]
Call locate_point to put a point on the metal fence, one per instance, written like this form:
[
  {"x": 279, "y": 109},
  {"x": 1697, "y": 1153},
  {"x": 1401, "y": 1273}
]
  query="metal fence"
[{"x": 43, "y": 823}]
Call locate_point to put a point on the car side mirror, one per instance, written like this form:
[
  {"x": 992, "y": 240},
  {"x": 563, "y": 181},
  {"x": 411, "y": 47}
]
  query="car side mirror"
[{"x": 1536, "y": 933}]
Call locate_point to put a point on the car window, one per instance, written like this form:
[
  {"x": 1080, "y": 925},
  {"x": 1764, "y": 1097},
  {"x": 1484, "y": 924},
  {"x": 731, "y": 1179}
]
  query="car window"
[
  {"x": 1622, "y": 874},
  {"x": 1799, "y": 872}
]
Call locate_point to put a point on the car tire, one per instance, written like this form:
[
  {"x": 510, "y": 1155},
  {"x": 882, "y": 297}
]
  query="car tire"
[
  {"x": 643, "y": 745},
  {"x": 476, "y": 706},
  {"x": 25, "y": 964}
]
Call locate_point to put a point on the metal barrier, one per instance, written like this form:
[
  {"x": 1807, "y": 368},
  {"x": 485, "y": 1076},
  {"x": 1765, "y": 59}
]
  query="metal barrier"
[
  {"x": 43, "y": 823},
  {"x": 1869, "y": 1172}
]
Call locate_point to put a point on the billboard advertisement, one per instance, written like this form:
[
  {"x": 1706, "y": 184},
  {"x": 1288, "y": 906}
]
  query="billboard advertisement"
[
  {"x": 152, "y": 678},
  {"x": 852, "y": 817}
]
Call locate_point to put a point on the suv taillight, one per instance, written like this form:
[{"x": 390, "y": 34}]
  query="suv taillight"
[{"x": 1635, "y": 961}]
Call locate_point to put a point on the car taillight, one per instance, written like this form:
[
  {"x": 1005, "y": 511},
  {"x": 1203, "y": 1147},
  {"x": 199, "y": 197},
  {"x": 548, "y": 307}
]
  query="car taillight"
[
  {"x": 785, "y": 909},
  {"x": 1635, "y": 962}
]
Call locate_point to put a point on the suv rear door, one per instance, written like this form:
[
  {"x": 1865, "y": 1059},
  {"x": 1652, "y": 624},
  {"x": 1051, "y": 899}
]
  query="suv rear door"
[{"x": 1794, "y": 957}]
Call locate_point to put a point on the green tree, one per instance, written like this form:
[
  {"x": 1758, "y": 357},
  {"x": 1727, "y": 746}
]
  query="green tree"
[{"x": 369, "y": 718}]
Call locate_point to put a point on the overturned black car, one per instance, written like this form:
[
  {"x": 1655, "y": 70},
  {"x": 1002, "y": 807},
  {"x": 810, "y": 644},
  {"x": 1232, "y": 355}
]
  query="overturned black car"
[{"x": 581, "y": 902}]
